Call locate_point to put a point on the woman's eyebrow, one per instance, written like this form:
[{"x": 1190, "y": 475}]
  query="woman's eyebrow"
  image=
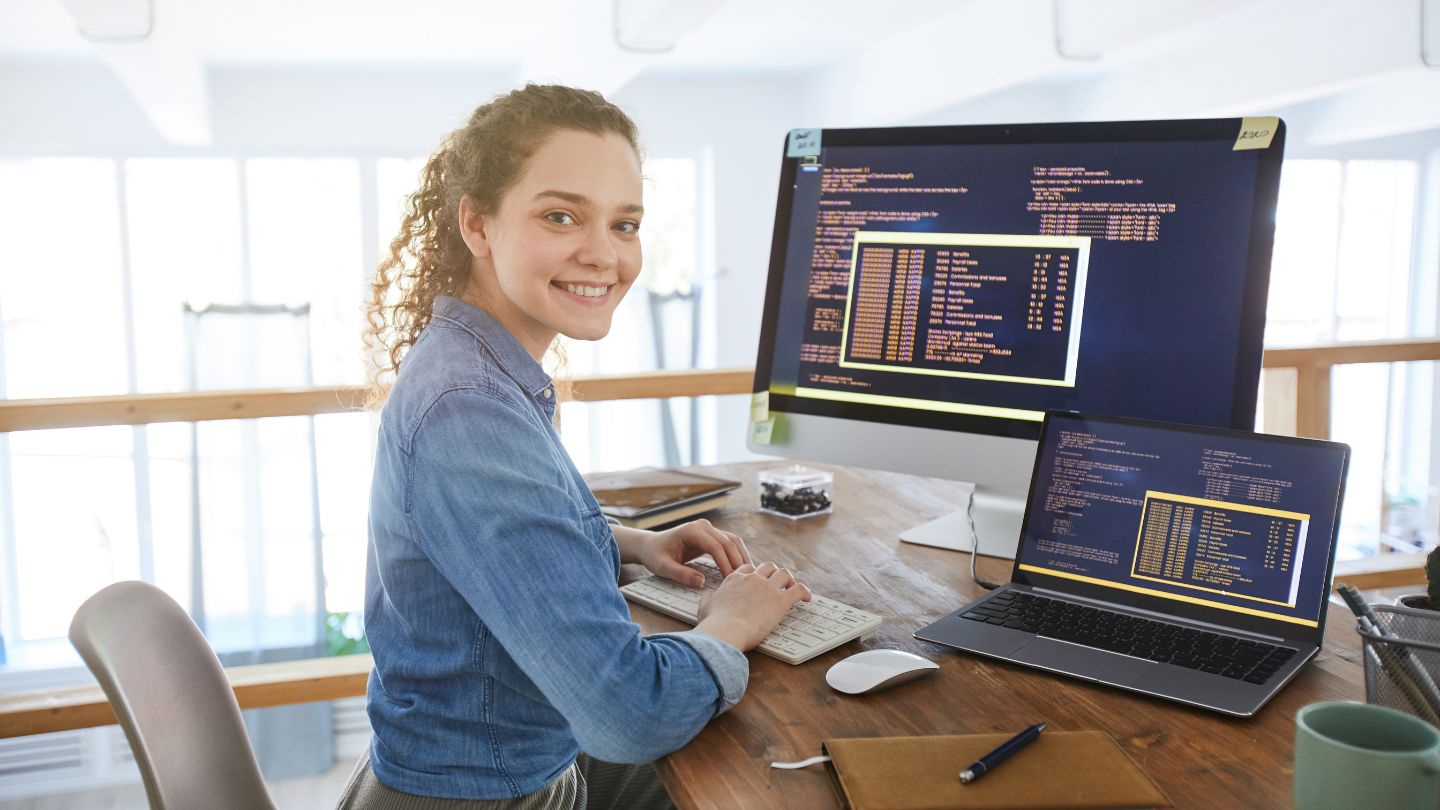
[{"x": 583, "y": 201}]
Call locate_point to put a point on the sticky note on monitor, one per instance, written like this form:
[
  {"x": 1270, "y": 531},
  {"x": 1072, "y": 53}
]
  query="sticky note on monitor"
[
  {"x": 763, "y": 432},
  {"x": 759, "y": 406},
  {"x": 1256, "y": 133},
  {"x": 803, "y": 143}
]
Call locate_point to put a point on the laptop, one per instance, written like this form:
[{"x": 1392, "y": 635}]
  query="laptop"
[{"x": 1187, "y": 563}]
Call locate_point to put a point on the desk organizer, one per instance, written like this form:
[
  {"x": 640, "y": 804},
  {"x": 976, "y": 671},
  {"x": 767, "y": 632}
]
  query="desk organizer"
[
  {"x": 1402, "y": 671},
  {"x": 795, "y": 492}
]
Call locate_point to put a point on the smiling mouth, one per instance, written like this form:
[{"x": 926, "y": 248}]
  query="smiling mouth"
[{"x": 583, "y": 290}]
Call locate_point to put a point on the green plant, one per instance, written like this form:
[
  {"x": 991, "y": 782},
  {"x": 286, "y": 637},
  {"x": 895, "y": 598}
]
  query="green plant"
[
  {"x": 345, "y": 635},
  {"x": 1432, "y": 577}
]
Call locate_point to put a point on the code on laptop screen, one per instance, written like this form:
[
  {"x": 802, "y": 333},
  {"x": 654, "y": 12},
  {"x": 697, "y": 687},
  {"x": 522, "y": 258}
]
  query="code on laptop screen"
[{"x": 1231, "y": 521}]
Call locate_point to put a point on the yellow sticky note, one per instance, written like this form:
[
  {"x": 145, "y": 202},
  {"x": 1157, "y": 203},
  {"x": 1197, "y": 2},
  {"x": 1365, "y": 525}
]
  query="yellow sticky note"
[
  {"x": 762, "y": 431},
  {"x": 759, "y": 406},
  {"x": 1256, "y": 133}
]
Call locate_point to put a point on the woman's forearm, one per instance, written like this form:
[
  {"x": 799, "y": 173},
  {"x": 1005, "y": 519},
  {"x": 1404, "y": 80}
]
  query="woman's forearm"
[{"x": 629, "y": 541}]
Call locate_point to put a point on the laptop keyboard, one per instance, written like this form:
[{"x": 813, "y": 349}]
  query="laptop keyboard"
[{"x": 1238, "y": 658}]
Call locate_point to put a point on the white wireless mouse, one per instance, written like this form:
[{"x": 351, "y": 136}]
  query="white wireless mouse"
[{"x": 874, "y": 670}]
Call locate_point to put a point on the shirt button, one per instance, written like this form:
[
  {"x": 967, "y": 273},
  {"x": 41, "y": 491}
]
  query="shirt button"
[{"x": 547, "y": 393}]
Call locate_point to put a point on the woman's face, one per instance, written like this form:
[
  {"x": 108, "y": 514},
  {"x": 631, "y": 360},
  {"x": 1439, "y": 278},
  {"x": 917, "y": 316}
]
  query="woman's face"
[{"x": 564, "y": 246}]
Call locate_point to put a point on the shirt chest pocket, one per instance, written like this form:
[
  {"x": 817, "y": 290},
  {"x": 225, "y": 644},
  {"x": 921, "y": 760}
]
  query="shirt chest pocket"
[{"x": 597, "y": 529}]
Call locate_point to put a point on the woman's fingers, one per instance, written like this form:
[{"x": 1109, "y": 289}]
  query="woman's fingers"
[
  {"x": 739, "y": 546},
  {"x": 782, "y": 579},
  {"x": 726, "y": 552},
  {"x": 700, "y": 541}
]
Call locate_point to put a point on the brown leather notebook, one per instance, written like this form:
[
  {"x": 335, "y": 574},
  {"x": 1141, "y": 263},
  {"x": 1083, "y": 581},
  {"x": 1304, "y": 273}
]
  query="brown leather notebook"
[{"x": 1060, "y": 769}]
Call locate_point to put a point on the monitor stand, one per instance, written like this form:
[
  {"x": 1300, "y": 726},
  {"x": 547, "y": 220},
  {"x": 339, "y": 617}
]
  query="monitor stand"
[{"x": 997, "y": 513}]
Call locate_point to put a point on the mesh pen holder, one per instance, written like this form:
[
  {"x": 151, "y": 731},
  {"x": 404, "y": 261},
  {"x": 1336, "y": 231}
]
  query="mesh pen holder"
[{"x": 1402, "y": 671}]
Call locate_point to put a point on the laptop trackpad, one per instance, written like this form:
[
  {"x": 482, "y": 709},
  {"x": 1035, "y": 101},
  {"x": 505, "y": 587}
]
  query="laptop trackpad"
[{"x": 1085, "y": 662}]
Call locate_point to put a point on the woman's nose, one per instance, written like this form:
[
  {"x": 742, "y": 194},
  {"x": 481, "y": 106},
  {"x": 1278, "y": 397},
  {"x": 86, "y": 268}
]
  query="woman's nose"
[{"x": 597, "y": 250}]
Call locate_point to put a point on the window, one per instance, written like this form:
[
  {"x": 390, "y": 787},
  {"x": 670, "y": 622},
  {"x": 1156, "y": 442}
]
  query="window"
[
  {"x": 62, "y": 276},
  {"x": 104, "y": 258},
  {"x": 1344, "y": 271},
  {"x": 113, "y": 312}
]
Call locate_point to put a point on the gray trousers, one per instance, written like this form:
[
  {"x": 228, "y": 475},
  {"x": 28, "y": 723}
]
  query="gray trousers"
[{"x": 588, "y": 784}]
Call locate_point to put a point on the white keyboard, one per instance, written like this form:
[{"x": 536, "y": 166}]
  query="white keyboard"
[{"x": 809, "y": 629}]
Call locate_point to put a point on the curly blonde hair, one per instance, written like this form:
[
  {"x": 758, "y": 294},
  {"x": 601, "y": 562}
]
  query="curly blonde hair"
[{"x": 481, "y": 160}]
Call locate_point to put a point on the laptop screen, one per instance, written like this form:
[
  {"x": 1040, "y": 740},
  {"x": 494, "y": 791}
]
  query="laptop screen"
[{"x": 1229, "y": 527}]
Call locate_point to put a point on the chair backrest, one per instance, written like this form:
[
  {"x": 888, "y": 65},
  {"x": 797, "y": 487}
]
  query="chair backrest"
[{"x": 172, "y": 698}]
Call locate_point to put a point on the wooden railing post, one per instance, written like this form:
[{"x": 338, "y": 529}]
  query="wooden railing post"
[{"x": 1312, "y": 401}]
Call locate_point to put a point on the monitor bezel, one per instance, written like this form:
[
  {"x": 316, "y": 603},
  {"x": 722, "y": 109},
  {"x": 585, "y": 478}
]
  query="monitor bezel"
[
  {"x": 1257, "y": 281},
  {"x": 1217, "y": 616}
]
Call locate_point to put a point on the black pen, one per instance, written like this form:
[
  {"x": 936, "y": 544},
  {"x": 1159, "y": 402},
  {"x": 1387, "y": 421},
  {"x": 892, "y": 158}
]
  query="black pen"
[{"x": 988, "y": 762}]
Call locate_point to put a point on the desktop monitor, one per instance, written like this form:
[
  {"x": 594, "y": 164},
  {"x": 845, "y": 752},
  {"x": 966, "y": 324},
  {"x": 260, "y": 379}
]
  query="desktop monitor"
[{"x": 934, "y": 290}]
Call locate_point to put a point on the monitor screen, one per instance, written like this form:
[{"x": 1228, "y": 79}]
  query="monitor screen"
[
  {"x": 1223, "y": 526},
  {"x": 972, "y": 278}
]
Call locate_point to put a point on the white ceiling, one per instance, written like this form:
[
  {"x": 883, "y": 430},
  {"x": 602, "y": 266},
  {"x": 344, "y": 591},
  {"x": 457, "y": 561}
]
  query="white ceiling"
[
  {"x": 748, "y": 35},
  {"x": 895, "y": 60}
]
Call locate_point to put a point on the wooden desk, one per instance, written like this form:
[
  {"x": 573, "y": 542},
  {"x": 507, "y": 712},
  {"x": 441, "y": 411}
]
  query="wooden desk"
[{"x": 1200, "y": 759}]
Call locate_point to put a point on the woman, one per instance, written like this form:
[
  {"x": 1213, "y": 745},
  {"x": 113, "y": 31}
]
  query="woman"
[{"x": 507, "y": 670}]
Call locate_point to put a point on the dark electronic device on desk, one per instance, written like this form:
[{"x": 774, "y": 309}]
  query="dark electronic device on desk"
[
  {"x": 934, "y": 290},
  {"x": 1183, "y": 562}
]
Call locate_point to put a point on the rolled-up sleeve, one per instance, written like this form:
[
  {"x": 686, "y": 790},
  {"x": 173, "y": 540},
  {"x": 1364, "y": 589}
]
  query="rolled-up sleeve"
[
  {"x": 729, "y": 666},
  {"x": 493, "y": 512}
]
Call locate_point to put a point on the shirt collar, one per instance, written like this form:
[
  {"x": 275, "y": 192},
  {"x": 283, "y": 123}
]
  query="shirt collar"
[{"x": 512, "y": 357}]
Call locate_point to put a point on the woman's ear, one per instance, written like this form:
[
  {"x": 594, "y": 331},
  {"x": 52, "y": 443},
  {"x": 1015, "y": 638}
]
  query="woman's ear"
[{"x": 472, "y": 228}]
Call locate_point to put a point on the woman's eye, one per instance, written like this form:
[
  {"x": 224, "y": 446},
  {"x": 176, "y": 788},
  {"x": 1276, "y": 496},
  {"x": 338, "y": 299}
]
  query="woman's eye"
[
  {"x": 560, "y": 218},
  {"x": 628, "y": 226}
]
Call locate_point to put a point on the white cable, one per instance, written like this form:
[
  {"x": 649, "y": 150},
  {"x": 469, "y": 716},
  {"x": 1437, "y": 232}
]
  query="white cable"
[
  {"x": 975, "y": 547},
  {"x": 804, "y": 763}
]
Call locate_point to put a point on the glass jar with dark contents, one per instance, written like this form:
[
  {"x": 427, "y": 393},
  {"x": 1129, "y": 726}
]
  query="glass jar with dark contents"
[{"x": 795, "y": 492}]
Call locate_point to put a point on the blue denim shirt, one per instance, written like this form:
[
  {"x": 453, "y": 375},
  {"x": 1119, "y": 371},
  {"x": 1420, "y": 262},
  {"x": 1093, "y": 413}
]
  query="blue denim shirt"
[{"x": 502, "y": 644}]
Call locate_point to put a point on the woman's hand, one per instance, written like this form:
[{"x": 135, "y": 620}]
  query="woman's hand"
[
  {"x": 665, "y": 553},
  {"x": 749, "y": 603}
]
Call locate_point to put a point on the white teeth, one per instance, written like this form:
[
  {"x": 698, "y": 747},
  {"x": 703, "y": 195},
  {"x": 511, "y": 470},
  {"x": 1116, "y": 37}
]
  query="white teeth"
[{"x": 588, "y": 292}]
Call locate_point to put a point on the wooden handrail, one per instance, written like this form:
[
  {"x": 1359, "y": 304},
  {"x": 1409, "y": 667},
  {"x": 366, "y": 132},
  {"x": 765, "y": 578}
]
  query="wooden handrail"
[
  {"x": 1382, "y": 571},
  {"x": 143, "y": 409},
  {"x": 1342, "y": 354},
  {"x": 1311, "y": 386},
  {"x": 256, "y": 687},
  {"x": 1313, "y": 364}
]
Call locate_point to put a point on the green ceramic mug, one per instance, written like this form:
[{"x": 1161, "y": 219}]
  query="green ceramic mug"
[{"x": 1357, "y": 755}]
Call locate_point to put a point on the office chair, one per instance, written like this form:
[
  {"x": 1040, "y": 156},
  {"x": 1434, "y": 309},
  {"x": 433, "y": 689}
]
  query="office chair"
[{"x": 172, "y": 698}]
